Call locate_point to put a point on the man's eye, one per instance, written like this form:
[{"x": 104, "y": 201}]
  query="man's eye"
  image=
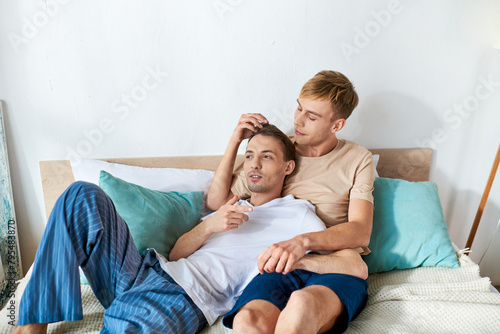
[
  {"x": 267, "y": 156},
  {"x": 312, "y": 119},
  {"x": 248, "y": 156}
]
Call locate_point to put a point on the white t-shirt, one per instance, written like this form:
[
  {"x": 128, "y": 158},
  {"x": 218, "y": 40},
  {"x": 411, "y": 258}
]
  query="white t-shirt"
[{"x": 215, "y": 275}]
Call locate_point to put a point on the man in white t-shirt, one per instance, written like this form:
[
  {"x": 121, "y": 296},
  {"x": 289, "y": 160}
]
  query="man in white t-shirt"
[
  {"x": 144, "y": 293},
  {"x": 220, "y": 254}
]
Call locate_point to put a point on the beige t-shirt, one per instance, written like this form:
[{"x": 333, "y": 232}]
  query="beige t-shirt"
[{"x": 328, "y": 181}]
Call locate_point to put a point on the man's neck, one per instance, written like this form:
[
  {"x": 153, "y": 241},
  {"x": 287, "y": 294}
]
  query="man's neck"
[
  {"x": 258, "y": 199},
  {"x": 316, "y": 150}
]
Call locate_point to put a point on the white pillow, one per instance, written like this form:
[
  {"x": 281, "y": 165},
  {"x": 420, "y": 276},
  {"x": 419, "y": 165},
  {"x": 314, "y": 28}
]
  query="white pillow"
[
  {"x": 162, "y": 179},
  {"x": 375, "y": 162}
]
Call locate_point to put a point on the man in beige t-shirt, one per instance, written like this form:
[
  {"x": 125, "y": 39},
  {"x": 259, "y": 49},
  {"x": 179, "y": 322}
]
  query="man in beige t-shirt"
[{"x": 334, "y": 175}]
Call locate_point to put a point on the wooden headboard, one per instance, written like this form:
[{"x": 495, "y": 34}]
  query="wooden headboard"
[{"x": 411, "y": 164}]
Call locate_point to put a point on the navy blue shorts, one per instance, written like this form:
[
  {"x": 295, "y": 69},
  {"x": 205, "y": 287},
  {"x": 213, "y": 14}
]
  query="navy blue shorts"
[{"x": 276, "y": 288}]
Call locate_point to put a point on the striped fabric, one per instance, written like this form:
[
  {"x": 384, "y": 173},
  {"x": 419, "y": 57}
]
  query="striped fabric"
[{"x": 85, "y": 230}]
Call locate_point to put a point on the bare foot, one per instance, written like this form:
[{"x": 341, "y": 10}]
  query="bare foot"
[{"x": 30, "y": 329}]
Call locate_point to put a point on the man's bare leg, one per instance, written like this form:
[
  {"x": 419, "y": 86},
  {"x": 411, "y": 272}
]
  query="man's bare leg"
[
  {"x": 314, "y": 309},
  {"x": 258, "y": 316},
  {"x": 31, "y": 329}
]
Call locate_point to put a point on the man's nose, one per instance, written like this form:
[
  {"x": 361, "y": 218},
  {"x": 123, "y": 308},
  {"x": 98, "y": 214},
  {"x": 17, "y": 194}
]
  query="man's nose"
[
  {"x": 298, "y": 119},
  {"x": 256, "y": 164}
]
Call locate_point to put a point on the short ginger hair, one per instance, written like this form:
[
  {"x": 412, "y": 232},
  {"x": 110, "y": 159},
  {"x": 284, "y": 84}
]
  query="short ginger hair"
[{"x": 334, "y": 87}]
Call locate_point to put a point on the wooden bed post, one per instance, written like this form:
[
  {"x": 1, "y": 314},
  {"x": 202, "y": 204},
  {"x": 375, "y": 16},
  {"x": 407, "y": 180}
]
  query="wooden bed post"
[{"x": 482, "y": 204}]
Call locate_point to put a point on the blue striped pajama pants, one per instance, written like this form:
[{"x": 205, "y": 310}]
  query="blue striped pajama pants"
[{"x": 85, "y": 230}]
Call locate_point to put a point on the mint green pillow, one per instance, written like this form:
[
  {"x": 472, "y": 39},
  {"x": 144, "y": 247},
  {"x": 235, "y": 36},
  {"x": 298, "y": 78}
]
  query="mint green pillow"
[
  {"x": 156, "y": 219},
  {"x": 409, "y": 229}
]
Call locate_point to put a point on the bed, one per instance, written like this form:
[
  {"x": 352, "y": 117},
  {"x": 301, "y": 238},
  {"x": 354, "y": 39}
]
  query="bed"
[{"x": 442, "y": 292}]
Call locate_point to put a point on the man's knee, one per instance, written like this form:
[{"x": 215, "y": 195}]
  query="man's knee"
[
  {"x": 83, "y": 192},
  {"x": 246, "y": 317},
  {"x": 81, "y": 200},
  {"x": 302, "y": 299},
  {"x": 317, "y": 306},
  {"x": 252, "y": 320},
  {"x": 84, "y": 187}
]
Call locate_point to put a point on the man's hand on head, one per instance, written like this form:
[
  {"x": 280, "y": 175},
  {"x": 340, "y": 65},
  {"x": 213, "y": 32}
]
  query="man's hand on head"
[
  {"x": 228, "y": 217},
  {"x": 282, "y": 256},
  {"x": 247, "y": 125}
]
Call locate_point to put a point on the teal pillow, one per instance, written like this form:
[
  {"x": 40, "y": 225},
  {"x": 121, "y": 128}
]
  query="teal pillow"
[
  {"x": 409, "y": 229},
  {"x": 156, "y": 219}
]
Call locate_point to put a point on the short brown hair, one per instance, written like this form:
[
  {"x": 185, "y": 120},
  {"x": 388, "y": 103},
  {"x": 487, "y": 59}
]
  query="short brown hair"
[
  {"x": 334, "y": 87},
  {"x": 270, "y": 130}
]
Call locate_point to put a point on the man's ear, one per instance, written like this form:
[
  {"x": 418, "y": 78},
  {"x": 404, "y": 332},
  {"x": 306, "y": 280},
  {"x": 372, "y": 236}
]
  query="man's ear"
[
  {"x": 290, "y": 166},
  {"x": 337, "y": 125}
]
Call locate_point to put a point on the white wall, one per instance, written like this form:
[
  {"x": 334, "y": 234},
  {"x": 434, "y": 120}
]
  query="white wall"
[{"x": 76, "y": 77}]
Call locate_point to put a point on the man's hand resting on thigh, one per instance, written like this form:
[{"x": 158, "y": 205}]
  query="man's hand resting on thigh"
[{"x": 286, "y": 256}]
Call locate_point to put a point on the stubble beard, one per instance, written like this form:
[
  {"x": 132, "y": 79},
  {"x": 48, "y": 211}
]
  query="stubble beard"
[{"x": 257, "y": 188}]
